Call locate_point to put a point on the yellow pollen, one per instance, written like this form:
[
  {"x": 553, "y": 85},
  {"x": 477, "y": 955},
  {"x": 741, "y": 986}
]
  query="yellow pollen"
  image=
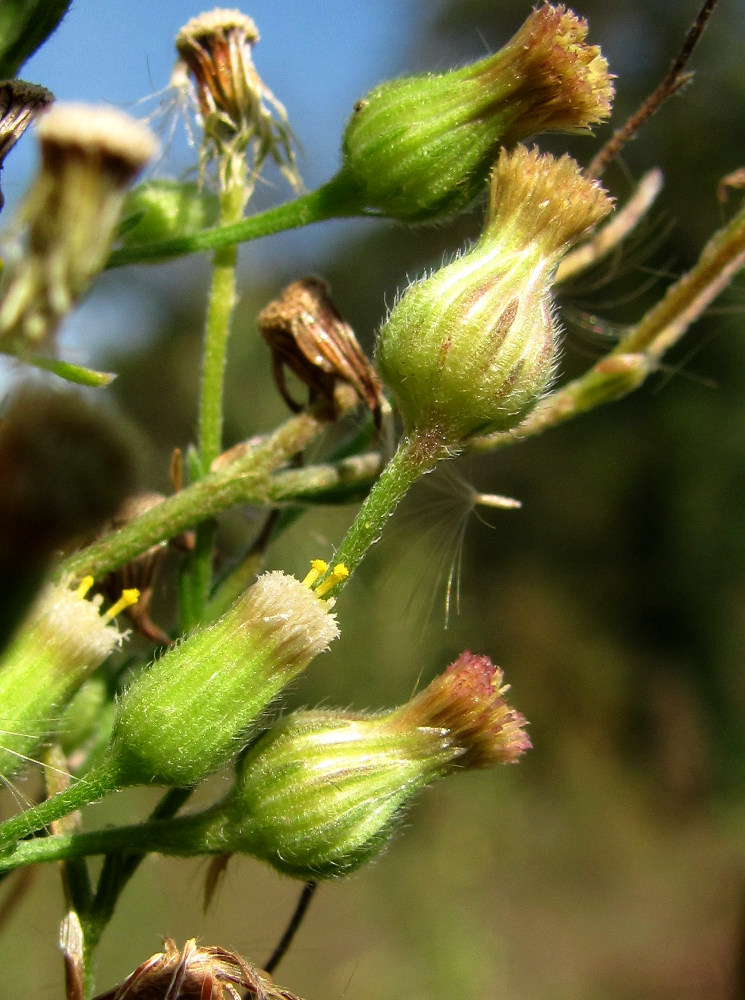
[
  {"x": 337, "y": 574},
  {"x": 129, "y": 597},
  {"x": 317, "y": 568},
  {"x": 84, "y": 586}
]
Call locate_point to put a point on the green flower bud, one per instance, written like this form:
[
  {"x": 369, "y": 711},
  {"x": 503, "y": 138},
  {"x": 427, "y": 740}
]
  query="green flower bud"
[
  {"x": 188, "y": 713},
  {"x": 63, "y": 639},
  {"x": 471, "y": 348},
  {"x": 319, "y": 795},
  {"x": 160, "y": 209},
  {"x": 421, "y": 147}
]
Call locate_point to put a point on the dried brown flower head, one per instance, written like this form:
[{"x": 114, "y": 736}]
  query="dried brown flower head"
[
  {"x": 306, "y": 334},
  {"x": 236, "y": 110},
  {"x": 20, "y": 103},
  {"x": 195, "y": 973}
]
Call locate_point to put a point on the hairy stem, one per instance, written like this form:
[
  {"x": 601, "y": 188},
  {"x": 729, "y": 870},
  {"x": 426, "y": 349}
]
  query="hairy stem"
[
  {"x": 197, "y": 570},
  {"x": 247, "y": 480},
  {"x": 102, "y": 781},
  {"x": 415, "y": 456}
]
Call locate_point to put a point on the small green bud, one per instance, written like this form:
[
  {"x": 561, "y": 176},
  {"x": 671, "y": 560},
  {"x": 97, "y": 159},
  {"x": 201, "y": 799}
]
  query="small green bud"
[
  {"x": 188, "y": 713},
  {"x": 421, "y": 147},
  {"x": 160, "y": 209},
  {"x": 471, "y": 348},
  {"x": 319, "y": 795},
  {"x": 63, "y": 639}
]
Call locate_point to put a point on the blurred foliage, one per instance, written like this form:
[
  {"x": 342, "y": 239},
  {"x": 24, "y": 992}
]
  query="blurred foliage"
[
  {"x": 611, "y": 862},
  {"x": 24, "y": 26}
]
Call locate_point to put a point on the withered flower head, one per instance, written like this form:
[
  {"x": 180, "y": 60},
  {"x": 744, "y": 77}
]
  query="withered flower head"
[
  {"x": 20, "y": 103},
  {"x": 236, "y": 109},
  {"x": 195, "y": 973},
  {"x": 89, "y": 156},
  {"x": 306, "y": 334}
]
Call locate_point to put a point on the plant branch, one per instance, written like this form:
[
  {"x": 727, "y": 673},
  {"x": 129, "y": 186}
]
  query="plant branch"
[
  {"x": 247, "y": 480},
  {"x": 339, "y": 482},
  {"x": 331, "y": 201},
  {"x": 674, "y": 80},
  {"x": 627, "y": 366}
]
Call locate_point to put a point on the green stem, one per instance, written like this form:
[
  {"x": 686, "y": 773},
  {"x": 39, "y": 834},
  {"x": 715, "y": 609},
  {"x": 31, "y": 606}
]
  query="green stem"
[
  {"x": 415, "y": 456},
  {"x": 686, "y": 299},
  {"x": 247, "y": 480},
  {"x": 336, "y": 199},
  {"x": 183, "y": 836},
  {"x": 220, "y": 308},
  {"x": 97, "y": 783},
  {"x": 116, "y": 872},
  {"x": 630, "y": 362},
  {"x": 196, "y": 577}
]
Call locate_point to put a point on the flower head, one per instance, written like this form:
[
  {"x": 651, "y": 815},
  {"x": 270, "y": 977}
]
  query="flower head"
[
  {"x": 421, "y": 147},
  {"x": 305, "y": 332},
  {"x": 195, "y": 973},
  {"x": 188, "y": 713},
  {"x": 89, "y": 157},
  {"x": 62, "y": 640},
  {"x": 236, "y": 109},
  {"x": 471, "y": 348},
  {"x": 20, "y": 103},
  {"x": 321, "y": 792}
]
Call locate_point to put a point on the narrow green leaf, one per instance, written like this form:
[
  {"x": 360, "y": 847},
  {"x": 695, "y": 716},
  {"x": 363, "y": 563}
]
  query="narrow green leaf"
[{"x": 73, "y": 373}]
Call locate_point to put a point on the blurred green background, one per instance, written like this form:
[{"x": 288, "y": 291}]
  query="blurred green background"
[{"x": 611, "y": 862}]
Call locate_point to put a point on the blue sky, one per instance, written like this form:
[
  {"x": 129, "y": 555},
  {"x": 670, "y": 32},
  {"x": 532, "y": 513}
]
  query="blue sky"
[{"x": 318, "y": 57}]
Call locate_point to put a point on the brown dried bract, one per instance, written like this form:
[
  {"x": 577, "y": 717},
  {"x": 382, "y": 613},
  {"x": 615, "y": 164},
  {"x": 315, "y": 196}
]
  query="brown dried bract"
[
  {"x": 306, "y": 334},
  {"x": 20, "y": 103},
  {"x": 196, "y": 973}
]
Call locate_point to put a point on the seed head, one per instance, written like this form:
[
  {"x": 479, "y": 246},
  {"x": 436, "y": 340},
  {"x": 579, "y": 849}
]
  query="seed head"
[
  {"x": 89, "y": 156},
  {"x": 236, "y": 110}
]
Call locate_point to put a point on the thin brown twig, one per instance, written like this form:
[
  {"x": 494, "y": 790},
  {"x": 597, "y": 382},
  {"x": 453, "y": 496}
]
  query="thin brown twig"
[{"x": 674, "y": 80}]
